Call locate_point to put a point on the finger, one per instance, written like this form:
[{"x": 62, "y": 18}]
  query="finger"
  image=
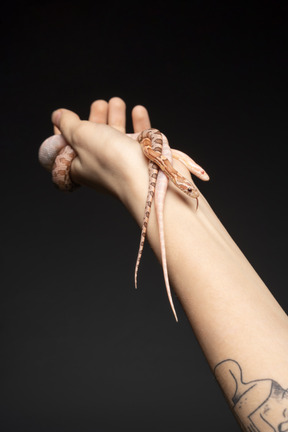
[
  {"x": 140, "y": 118},
  {"x": 117, "y": 114},
  {"x": 99, "y": 111},
  {"x": 67, "y": 122},
  {"x": 56, "y": 130}
]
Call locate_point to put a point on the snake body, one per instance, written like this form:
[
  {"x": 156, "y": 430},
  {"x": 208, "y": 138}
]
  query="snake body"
[
  {"x": 56, "y": 155},
  {"x": 159, "y": 181},
  {"x": 156, "y": 148}
]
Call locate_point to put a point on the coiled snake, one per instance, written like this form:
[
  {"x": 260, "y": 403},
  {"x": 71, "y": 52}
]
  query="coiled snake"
[{"x": 56, "y": 155}]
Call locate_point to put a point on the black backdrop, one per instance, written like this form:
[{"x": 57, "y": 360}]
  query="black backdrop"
[{"x": 81, "y": 350}]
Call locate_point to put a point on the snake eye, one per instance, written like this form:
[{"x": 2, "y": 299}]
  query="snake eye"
[{"x": 189, "y": 189}]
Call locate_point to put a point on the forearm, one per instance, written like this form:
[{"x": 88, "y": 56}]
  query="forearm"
[
  {"x": 238, "y": 323},
  {"x": 233, "y": 314}
]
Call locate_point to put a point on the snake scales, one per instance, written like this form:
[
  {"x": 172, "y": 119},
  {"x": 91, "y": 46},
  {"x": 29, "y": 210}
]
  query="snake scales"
[{"x": 56, "y": 155}]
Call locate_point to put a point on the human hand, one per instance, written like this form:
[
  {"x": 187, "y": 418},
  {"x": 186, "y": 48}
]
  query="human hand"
[
  {"x": 105, "y": 155},
  {"x": 106, "y": 159}
]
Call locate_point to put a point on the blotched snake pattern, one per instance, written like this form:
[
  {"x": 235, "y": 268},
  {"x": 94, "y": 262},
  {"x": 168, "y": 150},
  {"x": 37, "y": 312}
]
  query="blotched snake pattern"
[{"x": 56, "y": 155}]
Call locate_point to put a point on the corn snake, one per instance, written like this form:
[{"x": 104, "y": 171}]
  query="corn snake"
[
  {"x": 156, "y": 148},
  {"x": 56, "y": 155}
]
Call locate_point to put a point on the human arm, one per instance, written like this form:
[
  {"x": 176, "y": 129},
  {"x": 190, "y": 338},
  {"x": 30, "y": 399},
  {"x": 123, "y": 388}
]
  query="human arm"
[{"x": 233, "y": 314}]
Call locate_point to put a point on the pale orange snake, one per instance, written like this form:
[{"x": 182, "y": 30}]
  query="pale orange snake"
[{"x": 56, "y": 155}]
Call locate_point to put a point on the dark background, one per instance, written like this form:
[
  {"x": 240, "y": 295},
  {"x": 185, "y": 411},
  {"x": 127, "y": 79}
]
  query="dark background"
[{"x": 81, "y": 350}]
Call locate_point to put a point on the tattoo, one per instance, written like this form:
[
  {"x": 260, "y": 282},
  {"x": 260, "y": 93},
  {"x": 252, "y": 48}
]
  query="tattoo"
[{"x": 260, "y": 405}]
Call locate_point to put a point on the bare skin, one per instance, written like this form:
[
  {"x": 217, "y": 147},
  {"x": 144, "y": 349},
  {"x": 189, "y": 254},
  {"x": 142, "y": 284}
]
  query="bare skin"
[
  {"x": 56, "y": 155},
  {"x": 231, "y": 311}
]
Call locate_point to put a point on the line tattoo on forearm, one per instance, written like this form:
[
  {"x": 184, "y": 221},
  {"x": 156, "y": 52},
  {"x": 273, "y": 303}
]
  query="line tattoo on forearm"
[{"x": 260, "y": 405}]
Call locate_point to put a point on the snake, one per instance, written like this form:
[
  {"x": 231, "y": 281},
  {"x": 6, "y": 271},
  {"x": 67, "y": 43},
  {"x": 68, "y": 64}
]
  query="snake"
[{"x": 56, "y": 155}]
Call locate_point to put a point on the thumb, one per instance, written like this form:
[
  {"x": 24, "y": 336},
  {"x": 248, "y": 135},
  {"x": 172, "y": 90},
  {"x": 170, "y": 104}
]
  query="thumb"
[{"x": 67, "y": 122}]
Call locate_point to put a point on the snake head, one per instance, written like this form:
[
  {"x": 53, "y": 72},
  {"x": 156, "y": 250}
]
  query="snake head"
[{"x": 187, "y": 187}]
